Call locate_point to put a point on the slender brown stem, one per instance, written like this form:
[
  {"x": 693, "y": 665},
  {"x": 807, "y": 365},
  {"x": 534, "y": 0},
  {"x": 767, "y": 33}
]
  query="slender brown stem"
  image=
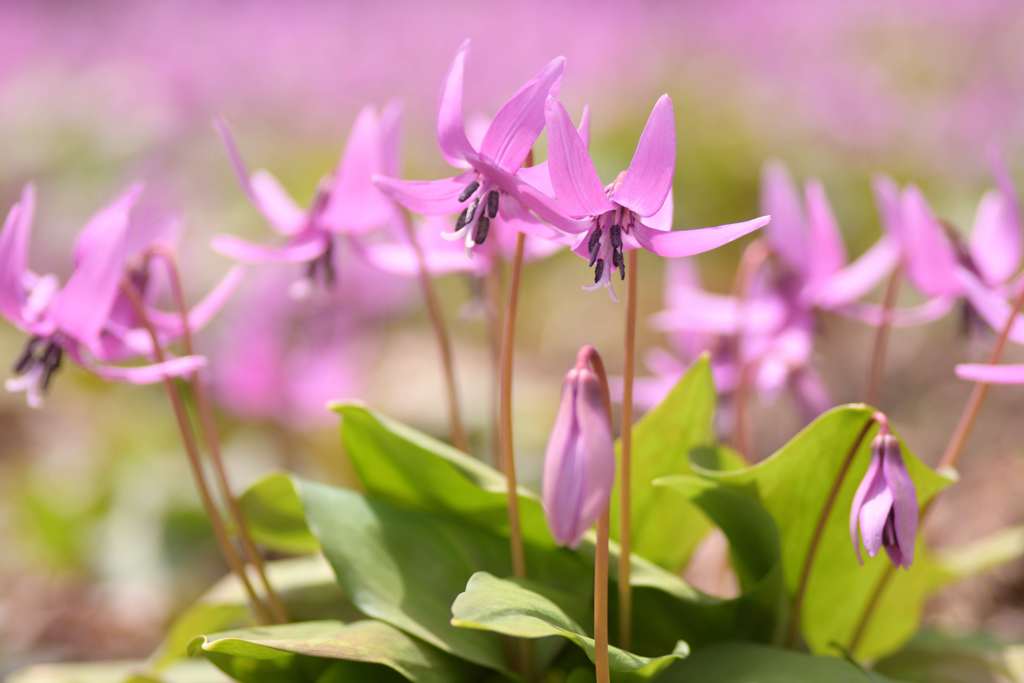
[
  {"x": 881, "y": 345},
  {"x": 626, "y": 465},
  {"x": 753, "y": 258},
  {"x": 601, "y": 600},
  {"x": 211, "y": 437},
  {"x": 228, "y": 550},
  {"x": 978, "y": 393},
  {"x": 948, "y": 461},
  {"x": 819, "y": 528},
  {"x": 493, "y": 298},
  {"x": 508, "y": 460},
  {"x": 444, "y": 345}
]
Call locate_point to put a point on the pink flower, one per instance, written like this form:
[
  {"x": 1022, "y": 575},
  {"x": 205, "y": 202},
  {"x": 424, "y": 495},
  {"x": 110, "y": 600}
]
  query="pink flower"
[
  {"x": 634, "y": 211},
  {"x": 884, "y": 508},
  {"x": 346, "y": 203},
  {"x": 489, "y": 188},
  {"x": 579, "y": 465},
  {"x": 79, "y": 318}
]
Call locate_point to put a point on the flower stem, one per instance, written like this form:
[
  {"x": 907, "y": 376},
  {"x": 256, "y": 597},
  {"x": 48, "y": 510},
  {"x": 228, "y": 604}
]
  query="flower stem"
[
  {"x": 626, "y": 479},
  {"x": 444, "y": 345},
  {"x": 492, "y": 302},
  {"x": 819, "y": 528},
  {"x": 753, "y": 258},
  {"x": 188, "y": 440},
  {"x": 601, "y": 600},
  {"x": 508, "y": 460},
  {"x": 948, "y": 461},
  {"x": 208, "y": 429},
  {"x": 881, "y": 344}
]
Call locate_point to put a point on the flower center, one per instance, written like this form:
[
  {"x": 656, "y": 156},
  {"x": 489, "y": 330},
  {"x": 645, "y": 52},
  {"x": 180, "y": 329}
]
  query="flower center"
[
  {"x": 320, "y": 270},
  {"x": 477, "y": 216},
  {"x": 34, "y": 369},
  {"x": 604, "y": 244}
]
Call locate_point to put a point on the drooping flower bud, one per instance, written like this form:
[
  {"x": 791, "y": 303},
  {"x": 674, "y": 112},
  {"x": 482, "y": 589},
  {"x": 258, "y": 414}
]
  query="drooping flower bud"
[
  {"x": 885, "y": 506},
  {"x": 579, "y": 466}
]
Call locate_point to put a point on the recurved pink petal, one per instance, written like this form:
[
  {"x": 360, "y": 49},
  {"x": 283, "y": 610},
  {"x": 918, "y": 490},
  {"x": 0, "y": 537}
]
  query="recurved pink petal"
[
  {"x": 451, "y": 128},
  {"x": 787, "y": 232},
  {"x": 354, "y": 204},
  {"x": 995, "y": 240},
  {"x": 910, "y": 316},
  {"x": 204, "y": 311},
  {"x": 648, "y": 180},
  {"x": 520, "y": 120},
  {"x": 577, "y": 186},
  {"x": 14, "y": 241},
  {"x": 990, "y": 305},
  {"x": 276, "y": 205},
  {"x": 298, "y": 250},
  {"x": 852, "y": 282},
  {"x": 991, "y": 374},
  {"x": 677, "y": 243},
  {"x": 149, "y": 374},
  {"x": 931, "y": 261},
  {"x": 825, "y": 245},
  {"x": 427, "y": 197},
  {"x": 904, "y": 501},
  {"x": 887, "y": 198}
]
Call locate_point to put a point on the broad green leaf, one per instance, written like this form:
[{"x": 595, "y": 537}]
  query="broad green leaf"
[
  {"x": 793, "y": 485},
  {"x": 275, "y": 516},
  {"x": 405, "y": 466},
  {"x": 507, "y": 607},
  {"x": 306, "y": 585},
  {"x": 933, "y": 657},
  {"x": 750, "y": 663},
  {"x": 405, "y": 566},
  {"x": 665, "y": 527},
  {"x": 118, "y": 672},
  {"x": 282, "y": 649}
]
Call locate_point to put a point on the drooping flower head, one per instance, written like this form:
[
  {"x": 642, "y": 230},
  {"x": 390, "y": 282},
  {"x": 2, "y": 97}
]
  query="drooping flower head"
[
  {"x": 486, "y": 194},
  {"x": 635, "y": 210},
  {"x": 79, "y": 318},
  {"x": 579, "y": 465},
  {"x": 884, "y": 509},
  {"x": 346, "y": 201}
]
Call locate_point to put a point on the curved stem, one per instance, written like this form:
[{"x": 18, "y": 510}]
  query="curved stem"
[
  {"x": 444, "y": 345},
  {"x": 492, "y": 301},
  {"x": 626, "y": 478},
  {"x": 508, "y": 460},
  {"x": 188, "y": 440},
  {"x": 881, "y": 344},
  {"x": 208, "y": 428},
  {"x": 819, "y": 527}
]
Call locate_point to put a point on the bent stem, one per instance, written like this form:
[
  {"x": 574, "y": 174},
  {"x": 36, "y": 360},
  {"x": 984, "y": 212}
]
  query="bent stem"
[
  {"x": 949, "y": 460},
  {"x": 444, "y": 344},
  {"x": 881, "y": 344},
  {"x": 211, "y": 437},
  {"x": 626, "y": 480},
  {"x": 188, "y": 440},
  {"x": 819, "y": 527}
]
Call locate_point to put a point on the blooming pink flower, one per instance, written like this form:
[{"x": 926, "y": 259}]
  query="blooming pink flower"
[
  {"x": 346, "y": 202},
  {"x": 74, "y": 319},
  {"x": 488, "y": 189},
  {"x": 635, "y": 211},
  {"x": 579, "y": 465},
  {"x": 884, "y": 508}
]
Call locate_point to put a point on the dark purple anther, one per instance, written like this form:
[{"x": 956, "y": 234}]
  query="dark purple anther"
[
  {"x": 492, "y": 203},
  {"x": 469, "y": 190},
  {"x": 483, "y": 224}
]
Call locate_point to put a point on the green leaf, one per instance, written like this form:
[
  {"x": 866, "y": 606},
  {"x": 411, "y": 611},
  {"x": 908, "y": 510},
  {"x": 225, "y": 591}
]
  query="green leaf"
[
  {"x": 793, "y": 485},
  {"x": 306, "y": 585},
  {"x": 750, "y": 663},
  {"x": 405, "y": 567},
  {"x": 118, "y": 672},
  {"x": 933, "y": 657},
  {"x": 276, "y": 518},
  {"x": 281, "y": 649},
  {"x": 510, "y": 608},
  {"x": 400, "y": 464},
  {"x": 666, "y": 528}
]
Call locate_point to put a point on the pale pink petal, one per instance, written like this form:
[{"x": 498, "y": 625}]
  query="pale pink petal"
[
  {"x": 904, "y": 501},
  {"x": 931, "y": 261},
  {"x": 149, "y": 374},
  {"x": 14, "y": 241},
  {"x": 991, "y": 374},
  {"x": 700, "y": 311},
  {"x": 563, "y": 483},
  {"x": 520, "y": 120},
  {"x": 857, "y": 279},
  {"x": 677, "y": 243},
  {"x": 662, "y": 218},
  {"x": 577, "y": 186},
  {"x": 910, "y": 316},
  {"x": 390, "y": 120},
  {"x": 1009, "y": 193},
  {"x": 451, "y": 129},
  {"x": 427, "y": 197},
  {"x": 276, "y": 205},
  {"x": 870, "y": 485},
  {"x": 299, "y": 250},
  {"x": 543, "y": 206},
  {"x": 787, "y": 232},
  {"x": 874, "y": 513},
  {"x": 598, "y": 445},
  {"x": 995, "y": 240},
  {"x": 354, "y": 204},
  {"x": 648, "y": 179},
  {"x": 990, "y": 305},
  {"x": 825, "y": 251}
]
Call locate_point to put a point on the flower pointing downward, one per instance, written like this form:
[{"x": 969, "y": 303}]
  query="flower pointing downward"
[{"x": 885, "y": 506}]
